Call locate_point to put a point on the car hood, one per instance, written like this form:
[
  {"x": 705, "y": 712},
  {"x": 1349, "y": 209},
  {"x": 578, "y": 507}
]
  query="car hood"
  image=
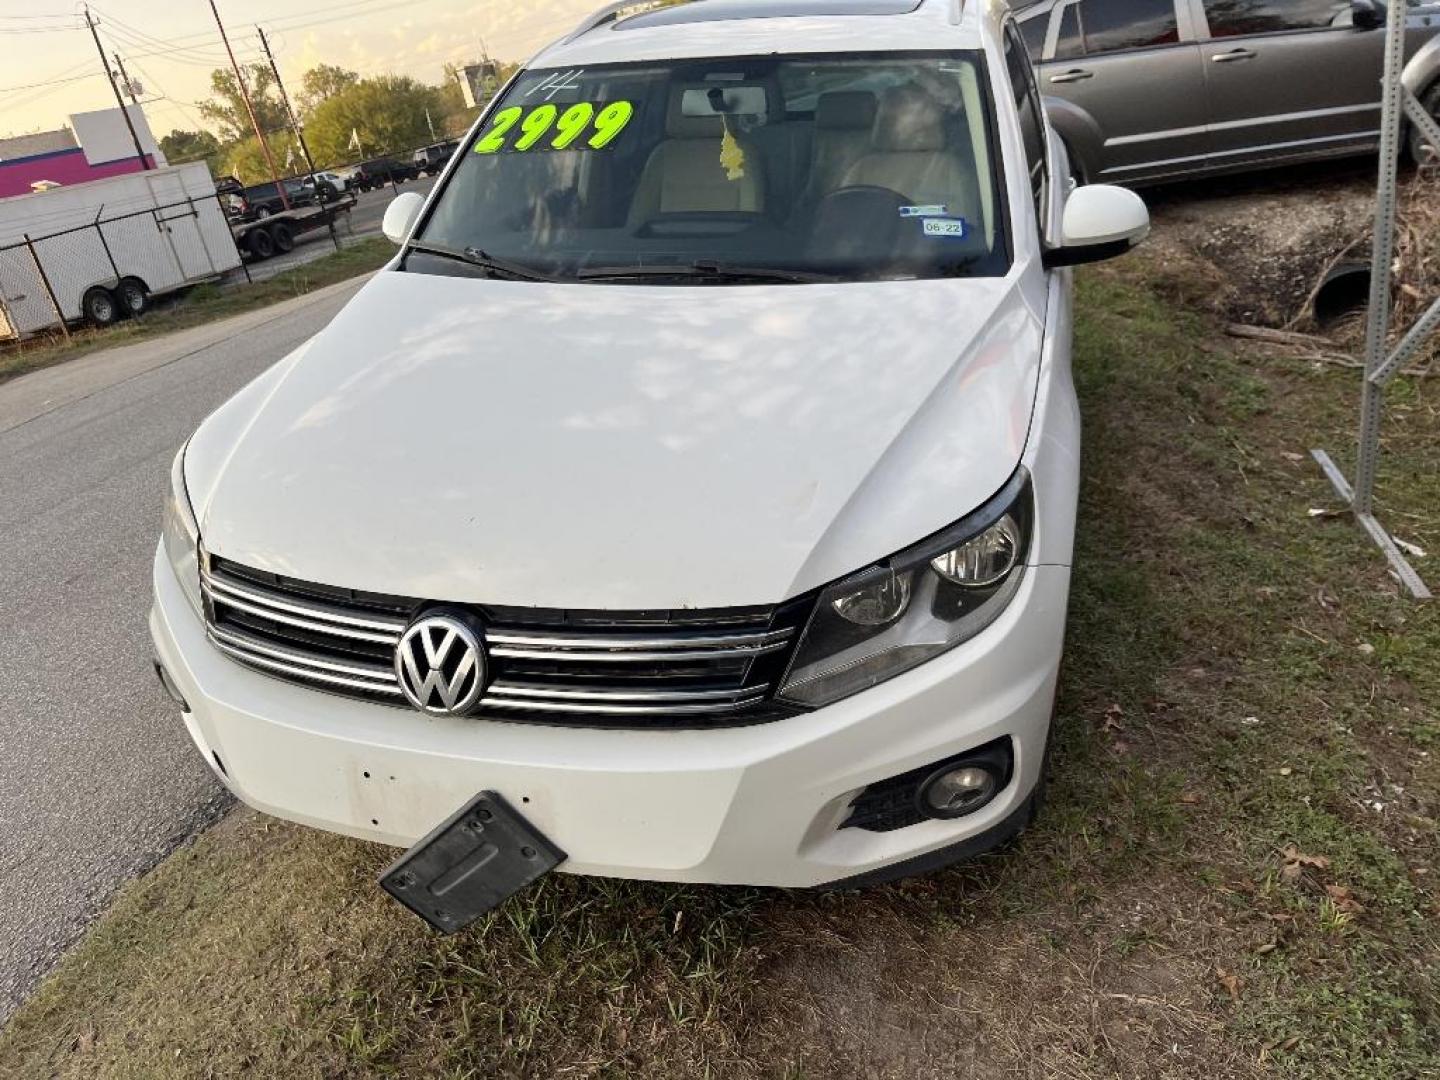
[{"x": 619, "y": 447}]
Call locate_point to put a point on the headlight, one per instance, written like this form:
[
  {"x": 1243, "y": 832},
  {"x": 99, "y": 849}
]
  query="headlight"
[
  {"x": 916, "y": 605},
  {"x": 182, "y": 534}
]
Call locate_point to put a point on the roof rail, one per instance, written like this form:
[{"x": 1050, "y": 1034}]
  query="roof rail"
[{"x": 608, "y": 14}]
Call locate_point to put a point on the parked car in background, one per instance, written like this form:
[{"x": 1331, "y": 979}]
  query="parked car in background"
[
  {"x": 381, "y": 171},
  {"x": 246, "y": 203},
  {"x": 785, "y": 336},
  {"x": 1145, "y": 90},
  {"x": 327, "y": 185},
  {"x": 429, "y": 160}
]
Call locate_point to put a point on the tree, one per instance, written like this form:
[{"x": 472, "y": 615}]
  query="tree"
[
  {"x": 246, "y": 161},
  {"x": 226, "y": 109},
  {"x": 322, "y": 83},
  {"x": 455, "y": 116},
  {"x": 181, "y": 147},
  {"x": 388, "y": 112}
]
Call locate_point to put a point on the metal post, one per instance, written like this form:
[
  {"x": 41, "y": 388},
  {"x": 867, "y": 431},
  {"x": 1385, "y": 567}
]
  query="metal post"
[
  {"x": 100, "y": 232},
  {"x": 134, "y": 138},
  {"x": 225, "y": 216},
  {"x": 50, "y": 292},
  {"x": 1372, "y": 397},
  {"x": 250, "y": 108},
  {"x": 299, "y": 134},
  {"x": 1378, "y": 367}
]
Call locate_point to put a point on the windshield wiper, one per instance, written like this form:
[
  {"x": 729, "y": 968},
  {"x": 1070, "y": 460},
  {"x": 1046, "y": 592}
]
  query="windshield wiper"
[
  {"x": 710, "y": 270},
  {"x": 475, "y": 257}
]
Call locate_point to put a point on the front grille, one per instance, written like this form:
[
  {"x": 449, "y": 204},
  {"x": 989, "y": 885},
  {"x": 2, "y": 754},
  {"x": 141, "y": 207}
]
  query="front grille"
[{"x": 650, "y": 669}]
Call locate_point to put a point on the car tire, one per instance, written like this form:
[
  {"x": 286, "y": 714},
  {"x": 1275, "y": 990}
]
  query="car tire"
[
  {"x": 283, "y": 236},
  {"x": 1421, "y": 152},
  {"x": 259, "y": 243},
  {"x": 100, "y": 307},
  {"x": 133, "y": 296}
]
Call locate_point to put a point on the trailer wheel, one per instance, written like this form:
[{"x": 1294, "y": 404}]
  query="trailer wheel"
[
  {"x": 260, "y": 243},
  {"x": 100, "y": 307},
  {"x": 133, "y": 296},
  {"x": 283, "y": 235}
]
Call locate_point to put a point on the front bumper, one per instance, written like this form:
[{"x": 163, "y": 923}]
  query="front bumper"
[{"x": 757, "y": 805}]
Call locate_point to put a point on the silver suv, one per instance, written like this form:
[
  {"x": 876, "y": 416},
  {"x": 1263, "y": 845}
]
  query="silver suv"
[{"x": 1143, "y": 90}]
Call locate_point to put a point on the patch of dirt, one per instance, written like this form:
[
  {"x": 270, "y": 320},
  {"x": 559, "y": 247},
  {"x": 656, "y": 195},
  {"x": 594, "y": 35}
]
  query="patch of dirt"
[
  {"x": 984, "y": 996},
  {"x": 1264, "y": 241}
]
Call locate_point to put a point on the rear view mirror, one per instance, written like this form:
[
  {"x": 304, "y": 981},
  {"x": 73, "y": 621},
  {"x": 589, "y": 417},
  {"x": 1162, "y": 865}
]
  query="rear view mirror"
[
  {"x": 1100, "y": 222},
  {"x": 400, "y": 216},
  {"x": 718, "y": 100}
]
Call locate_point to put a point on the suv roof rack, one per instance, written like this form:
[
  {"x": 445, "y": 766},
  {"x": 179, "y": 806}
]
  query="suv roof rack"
[{"x": 608, "y": 14}]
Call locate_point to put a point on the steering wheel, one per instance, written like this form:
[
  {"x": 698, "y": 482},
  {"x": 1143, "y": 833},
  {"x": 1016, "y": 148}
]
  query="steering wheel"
[{"x": 856, "y": 220}]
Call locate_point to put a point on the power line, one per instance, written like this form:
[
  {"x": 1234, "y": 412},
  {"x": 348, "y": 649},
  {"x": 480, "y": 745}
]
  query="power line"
[{"x": 129, "y": 123}]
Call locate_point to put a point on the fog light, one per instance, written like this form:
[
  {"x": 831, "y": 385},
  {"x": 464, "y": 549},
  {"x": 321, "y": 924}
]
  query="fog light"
[{"x": 957, "y": 790}]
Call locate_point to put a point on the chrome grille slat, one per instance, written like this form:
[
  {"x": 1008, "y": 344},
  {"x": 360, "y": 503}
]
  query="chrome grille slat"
[
  {"x": 742, "y": 640},
  {"x": 265, "y": 611},
  {"x": 315, "y": 610},
  {"x": 253, "y": 644},
  {"x": 708, "y": 708},
  {"x": 626, "y": 657},
  {"x": 511, "y": 690},
  {"x": 643, "y": 669},
  {"x": 305, "y": 674}
]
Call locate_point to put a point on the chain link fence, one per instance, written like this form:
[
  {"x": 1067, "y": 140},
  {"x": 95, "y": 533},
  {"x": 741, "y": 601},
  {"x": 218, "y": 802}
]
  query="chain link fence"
[{"x": 111, "y": 266}]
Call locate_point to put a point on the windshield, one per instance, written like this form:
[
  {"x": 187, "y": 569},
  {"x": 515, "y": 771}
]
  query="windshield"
[{"x": 822, "y": 167}]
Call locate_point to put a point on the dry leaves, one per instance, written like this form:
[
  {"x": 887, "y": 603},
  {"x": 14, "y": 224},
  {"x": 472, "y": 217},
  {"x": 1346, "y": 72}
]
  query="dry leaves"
[
  {"x": 1296, "y": 861},
  {"x": 1344, "y": 899},
  {"x": 1230, "y": 981},
  {"x": 1111, "y": 721}
]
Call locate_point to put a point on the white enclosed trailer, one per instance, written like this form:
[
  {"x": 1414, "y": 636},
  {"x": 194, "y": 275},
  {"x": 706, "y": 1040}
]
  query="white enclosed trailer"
[{"x": 116, "y": 241}]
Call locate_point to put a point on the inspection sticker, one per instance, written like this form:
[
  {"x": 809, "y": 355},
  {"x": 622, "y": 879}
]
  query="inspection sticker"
[
  {"x": 953, "y": 228},
  {"x": 923, "y": 211}
]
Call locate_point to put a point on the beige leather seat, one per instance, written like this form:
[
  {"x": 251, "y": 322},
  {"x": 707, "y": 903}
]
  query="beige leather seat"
[
  {"x": 844, "y": 127},
  {"x": 684, "y": 173},
  {"x": 911, "y": 156}
]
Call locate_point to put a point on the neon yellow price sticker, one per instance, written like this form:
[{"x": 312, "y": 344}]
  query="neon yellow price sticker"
[{"x": 546, "y": 127}]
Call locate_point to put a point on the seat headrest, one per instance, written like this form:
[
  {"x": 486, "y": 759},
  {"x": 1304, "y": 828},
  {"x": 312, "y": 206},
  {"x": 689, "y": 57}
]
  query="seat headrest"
[
  {"x": 846, "y": 110},
  {"x": 909, "y": 121}
]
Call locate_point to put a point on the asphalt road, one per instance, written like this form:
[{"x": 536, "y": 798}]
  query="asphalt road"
[
  {"x": 364, "y": 221},
  {"x": 98, "y": 780}
]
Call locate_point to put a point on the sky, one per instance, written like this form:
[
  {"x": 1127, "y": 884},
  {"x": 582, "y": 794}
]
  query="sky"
[{"x": 49, "y": 67}]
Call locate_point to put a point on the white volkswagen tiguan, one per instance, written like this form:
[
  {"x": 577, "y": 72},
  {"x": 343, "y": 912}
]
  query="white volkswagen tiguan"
[{"x": 693, "y": 496}]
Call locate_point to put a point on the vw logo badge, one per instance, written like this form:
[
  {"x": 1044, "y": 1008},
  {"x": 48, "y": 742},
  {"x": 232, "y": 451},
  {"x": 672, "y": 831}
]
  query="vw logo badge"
[{"x": 441, "y": 665}]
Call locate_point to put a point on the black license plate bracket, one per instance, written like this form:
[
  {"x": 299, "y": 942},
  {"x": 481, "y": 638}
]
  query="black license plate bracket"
[{"x": 470, "y": 864}]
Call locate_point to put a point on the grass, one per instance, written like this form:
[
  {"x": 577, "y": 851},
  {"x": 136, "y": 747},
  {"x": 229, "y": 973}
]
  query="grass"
[
  {"x": 195, "y": 307},
  {"x": 1235, "y": 875}
]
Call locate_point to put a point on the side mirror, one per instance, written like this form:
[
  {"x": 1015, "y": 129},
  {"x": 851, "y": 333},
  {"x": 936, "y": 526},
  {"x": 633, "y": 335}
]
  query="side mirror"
[
  {"x": 1367, "y": 14},
  {"x": 1100, "y": 222},
  {"x": 400, "y": 216}
]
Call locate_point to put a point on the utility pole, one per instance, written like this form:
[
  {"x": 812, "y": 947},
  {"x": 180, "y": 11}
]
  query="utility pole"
[
  {"x": 285, "y": 100},
  {"x": 134, "y": 138},
  {"x": 250, "y": 108},
  {"x": 125, "y": 81}
]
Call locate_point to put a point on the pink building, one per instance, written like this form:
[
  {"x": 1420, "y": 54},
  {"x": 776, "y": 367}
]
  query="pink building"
[{"x": 100, "y": 147}]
